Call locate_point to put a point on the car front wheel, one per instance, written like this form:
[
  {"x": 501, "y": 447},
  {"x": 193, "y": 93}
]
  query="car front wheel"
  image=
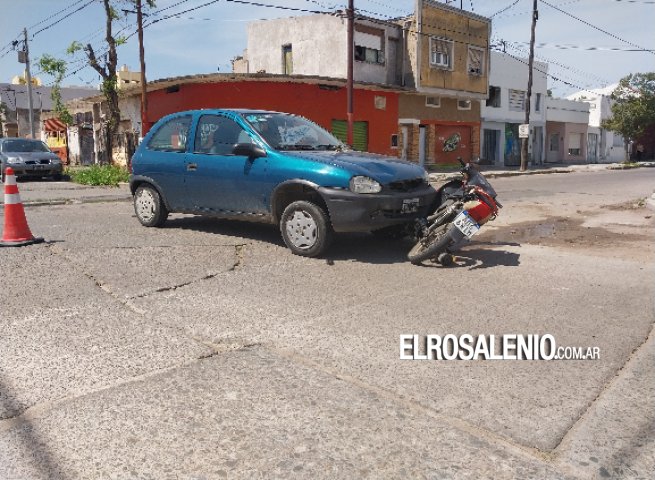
[
  {"x": 305, "y": 228},
  {"x": 149, "y": 207}
]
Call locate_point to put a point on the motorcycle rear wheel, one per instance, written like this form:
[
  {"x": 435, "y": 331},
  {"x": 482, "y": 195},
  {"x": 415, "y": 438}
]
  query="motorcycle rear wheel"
[{"x": 436, "y": 243}]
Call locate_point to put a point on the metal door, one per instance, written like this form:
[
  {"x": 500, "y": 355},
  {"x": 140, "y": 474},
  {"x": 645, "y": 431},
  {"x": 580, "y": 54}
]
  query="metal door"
[
  {"x": 592, "y": 148},
  {"x": 538, "y": 146},
  {"x": 490, "y": 148},
  {"x": 453, "y": 141}
]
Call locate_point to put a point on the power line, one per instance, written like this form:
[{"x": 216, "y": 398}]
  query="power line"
[
  {"x": 63, "y": 18},
  {"x": 546, "y": 73},
  {"x": 50, "y": 17},
  {"x": 504, "y": 9},
  {"x": 597, "y": 28},
  {"x": 581, "y": 47},
  {"x": 588, "y": 75}
]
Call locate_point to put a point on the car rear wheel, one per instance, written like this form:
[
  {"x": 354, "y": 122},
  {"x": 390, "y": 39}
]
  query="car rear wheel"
[
  {"x": 148, "y": 206},
  {"x": 305, "y": 228}
]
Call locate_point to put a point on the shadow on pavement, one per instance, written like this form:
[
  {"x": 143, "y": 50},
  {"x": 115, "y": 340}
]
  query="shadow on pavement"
[
  {"x": 359, "y": 247},
  {"x": 478, "y": 258},
  {"x": 33, "y": 446},
  {"x": 481, "y": 258}
]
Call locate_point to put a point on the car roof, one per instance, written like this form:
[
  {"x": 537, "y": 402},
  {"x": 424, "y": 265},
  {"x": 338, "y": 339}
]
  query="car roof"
[
  {"x": 241, "y": 111},
  {"x": 3, "y": 139}
]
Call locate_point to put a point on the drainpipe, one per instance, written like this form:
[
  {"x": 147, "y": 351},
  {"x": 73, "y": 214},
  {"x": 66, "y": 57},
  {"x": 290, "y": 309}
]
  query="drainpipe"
[{"x": 349, "y": 88}]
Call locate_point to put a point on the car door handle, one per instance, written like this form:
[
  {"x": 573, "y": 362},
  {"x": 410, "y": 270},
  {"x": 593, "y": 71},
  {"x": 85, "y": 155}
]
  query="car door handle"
[{"x": 192, "y": 167}]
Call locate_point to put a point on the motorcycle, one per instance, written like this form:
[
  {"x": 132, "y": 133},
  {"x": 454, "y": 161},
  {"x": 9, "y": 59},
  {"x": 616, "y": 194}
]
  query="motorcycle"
[{"x": 463, "y": 206}]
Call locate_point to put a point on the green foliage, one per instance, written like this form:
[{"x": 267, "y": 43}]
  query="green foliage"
[
  {"x": 74, "y": 48},
  {"x": 634, "y": 107},
  {"x": 113, "y": 13},
  {"x": 57, "y": 68},
  {"x": 96, "y": 175}
]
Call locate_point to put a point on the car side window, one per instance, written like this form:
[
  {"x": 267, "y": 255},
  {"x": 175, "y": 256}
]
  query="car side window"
[
  {"x": 172, "y": 136},
  {"x": 217, "y": 135}
]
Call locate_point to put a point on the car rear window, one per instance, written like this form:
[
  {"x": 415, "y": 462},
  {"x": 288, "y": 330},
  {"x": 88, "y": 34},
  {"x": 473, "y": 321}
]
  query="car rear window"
[{"x": 172, "y": 136}]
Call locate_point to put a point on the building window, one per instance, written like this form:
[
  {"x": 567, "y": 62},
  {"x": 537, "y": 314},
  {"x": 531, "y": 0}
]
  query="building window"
[
  {"x": 517, "y": 100},
  {"x": 394, "y": 140},
  {"x": 434, "y": 102},
  {"x": 369, "y": 55},
  {"x": 441, "y": 52},
  {"x": 494, "y": 97},
  {"x": 463, "y": 104},
  {"x": 369, "y": 45},
  {"x": 287, "y": 59},
  {"x": 575, "y": 144},
  {"x": 475, "y": 64},
  {"x": 537, "y": 103}
]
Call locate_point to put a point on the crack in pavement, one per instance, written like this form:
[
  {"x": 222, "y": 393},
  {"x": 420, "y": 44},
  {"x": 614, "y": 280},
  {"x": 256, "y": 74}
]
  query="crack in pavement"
[
  {"x": 38, "y": 410},
  {"x": 555, "y": 452},
  {"x": 493, "y": 438}
]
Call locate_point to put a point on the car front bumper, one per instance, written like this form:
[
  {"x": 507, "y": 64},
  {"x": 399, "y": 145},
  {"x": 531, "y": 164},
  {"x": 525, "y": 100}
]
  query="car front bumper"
[
  {"x": 354, "y": 212},
  {"x": 35, "y": 170}
]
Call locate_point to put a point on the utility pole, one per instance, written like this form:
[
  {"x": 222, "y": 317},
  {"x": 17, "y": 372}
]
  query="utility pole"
[
  {"x": 144, "y": 98},
  {"x": 351, "y": 55},
  {"x": 28, "y": 77},
  {"x": 524, "y": 144}
]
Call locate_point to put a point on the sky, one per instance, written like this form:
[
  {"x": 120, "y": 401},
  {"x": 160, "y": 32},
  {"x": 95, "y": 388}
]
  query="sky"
[{"x": 206, "y": 39}]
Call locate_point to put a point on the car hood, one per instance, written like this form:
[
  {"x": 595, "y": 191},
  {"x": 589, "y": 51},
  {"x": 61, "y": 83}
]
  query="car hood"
[
  {"x": 26, "y": 156},
  {"x": 379, "y": 167}
]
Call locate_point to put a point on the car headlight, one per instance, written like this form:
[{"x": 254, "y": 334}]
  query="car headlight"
[
  {"x": 14, "y": 160},
  {"x": 362, "y": 184}
]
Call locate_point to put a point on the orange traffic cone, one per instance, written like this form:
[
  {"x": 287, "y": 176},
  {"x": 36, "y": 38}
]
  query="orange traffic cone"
[{"x": 16, "y": 233}]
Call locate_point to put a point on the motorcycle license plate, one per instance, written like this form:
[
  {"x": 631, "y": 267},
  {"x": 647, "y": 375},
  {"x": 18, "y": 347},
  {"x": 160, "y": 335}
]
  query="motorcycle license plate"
[
  {"x": 466, "y": 224},
  {"x": 410, "y": 205}
]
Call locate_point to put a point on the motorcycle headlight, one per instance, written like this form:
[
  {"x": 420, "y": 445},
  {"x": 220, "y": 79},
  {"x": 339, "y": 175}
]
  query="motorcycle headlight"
[
  {"x": 14, "y": 160},
  {"x": 362, "y": 184}
]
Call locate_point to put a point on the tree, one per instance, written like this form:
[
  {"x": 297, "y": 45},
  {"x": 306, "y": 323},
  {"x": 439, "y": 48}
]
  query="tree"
[
  {"x": 56, "y": 68},
  {"x": 105, "y": 65},
  {"x": 633, "y": 109}
]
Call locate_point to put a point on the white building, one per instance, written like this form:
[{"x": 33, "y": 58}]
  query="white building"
[
  {"x": 603, "y": 146},
  {"x": 317, "y": 45},
  {"x": 504, "y": 111},
  {"x": 566, "y": 130}
]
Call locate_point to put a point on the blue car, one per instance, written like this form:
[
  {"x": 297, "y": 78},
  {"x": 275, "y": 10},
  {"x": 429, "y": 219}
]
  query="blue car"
[{"x": 273, "y": 167}]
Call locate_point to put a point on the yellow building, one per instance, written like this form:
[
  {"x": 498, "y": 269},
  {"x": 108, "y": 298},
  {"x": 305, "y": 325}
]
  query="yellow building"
[{"x": 448, "y": 55}]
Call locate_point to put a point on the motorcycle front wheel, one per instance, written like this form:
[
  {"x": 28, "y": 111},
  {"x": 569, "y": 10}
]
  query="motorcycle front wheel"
[{"x": 435, "y": 243}]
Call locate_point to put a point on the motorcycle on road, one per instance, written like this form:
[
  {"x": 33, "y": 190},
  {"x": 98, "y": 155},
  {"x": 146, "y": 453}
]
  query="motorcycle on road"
[{"x": 464, "y": 205}]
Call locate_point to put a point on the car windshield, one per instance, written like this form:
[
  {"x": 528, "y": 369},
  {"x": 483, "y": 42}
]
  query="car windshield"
[
  {"x": 24, "y": 146},
  {"x": 290, "y": 132}
]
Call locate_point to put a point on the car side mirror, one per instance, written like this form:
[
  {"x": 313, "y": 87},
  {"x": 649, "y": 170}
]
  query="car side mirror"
[{"x": 249, "y": 150}]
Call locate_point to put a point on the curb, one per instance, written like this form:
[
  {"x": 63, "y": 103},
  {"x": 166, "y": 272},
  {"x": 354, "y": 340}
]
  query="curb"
[
  {"x": 76, "y": 201},
  {"x": 650, "y": 201},
  {"x": 438, "y": 177}
]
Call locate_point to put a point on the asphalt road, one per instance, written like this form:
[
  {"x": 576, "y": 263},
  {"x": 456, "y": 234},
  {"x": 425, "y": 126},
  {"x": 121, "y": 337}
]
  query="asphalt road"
[{"x": 206, "y": 350}]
